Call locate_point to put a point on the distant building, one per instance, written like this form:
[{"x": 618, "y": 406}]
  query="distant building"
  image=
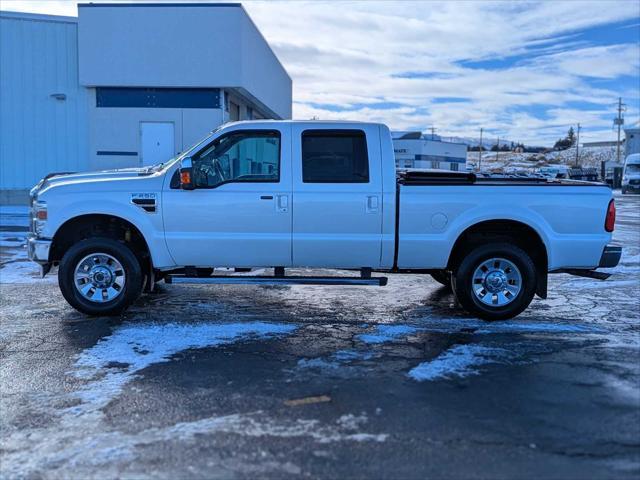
[
  {"x": 127, "y": 85},
  {"x": 414, "y": 150},
  {"x": 612, "y": 143},
  {"x": 632, "y": 140}
]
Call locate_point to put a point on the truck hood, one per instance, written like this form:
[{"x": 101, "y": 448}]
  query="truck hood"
[{"x": 55, "y": 179}]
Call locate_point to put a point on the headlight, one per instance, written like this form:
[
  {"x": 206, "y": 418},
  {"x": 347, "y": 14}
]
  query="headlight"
[{"x": 38, "y": 216}]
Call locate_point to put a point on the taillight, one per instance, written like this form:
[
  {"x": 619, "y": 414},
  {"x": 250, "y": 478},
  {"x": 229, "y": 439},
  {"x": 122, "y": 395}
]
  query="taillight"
[{"x": 610, "y": 221}]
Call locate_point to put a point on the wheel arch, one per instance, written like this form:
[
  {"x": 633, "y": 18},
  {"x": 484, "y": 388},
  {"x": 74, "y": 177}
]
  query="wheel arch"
[
  {"x": 519, "y": 233},
  {"x": 95, "y": 225}
]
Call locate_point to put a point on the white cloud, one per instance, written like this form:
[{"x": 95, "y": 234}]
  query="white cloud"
[{"x": 356, "y": 55}]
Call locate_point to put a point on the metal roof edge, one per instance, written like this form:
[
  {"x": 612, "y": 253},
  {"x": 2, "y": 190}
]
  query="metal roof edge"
[
  {"x": 93, "y": 5},
  {"x": 37, "y": 17}
]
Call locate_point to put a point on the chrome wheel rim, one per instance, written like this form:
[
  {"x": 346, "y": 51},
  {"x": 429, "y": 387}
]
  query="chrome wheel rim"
[
  {"x": 496, "y": 282},
  {"x": 99, "y": 278}
]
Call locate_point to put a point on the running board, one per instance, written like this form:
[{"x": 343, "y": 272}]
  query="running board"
[
  {"x": 586, "y": 273},
  {"x": 267, "y": 280}
]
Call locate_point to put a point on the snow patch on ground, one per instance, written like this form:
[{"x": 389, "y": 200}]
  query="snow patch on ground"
[
  {"x": 318, "y": 363},
  {"x": 352, "y": 355},
  {"x": 80, "y": 442},
  {"x": 115, "y": 360},
  {"x": 15, "y": 266},
  {"x": 459, "y": 361},
  {"x": 515, "y": 326},
  {"x": 340, "y": 362},
  {"x": 387, "y": 333},
  {"x": 66, "y": 454}
]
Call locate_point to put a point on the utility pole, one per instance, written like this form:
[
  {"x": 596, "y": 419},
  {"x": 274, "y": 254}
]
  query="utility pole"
[
  {"x": 619, "y": 121},
  {"x": 433, "y": 133},
  {"x": 497, "y": 148},
  {"x": 578, "y": 147},
  {"x": 480, "y": 151}
]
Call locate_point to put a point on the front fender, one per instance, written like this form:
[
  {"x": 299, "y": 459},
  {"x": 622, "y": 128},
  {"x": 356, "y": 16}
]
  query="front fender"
[{"x": 117, "y": 205}]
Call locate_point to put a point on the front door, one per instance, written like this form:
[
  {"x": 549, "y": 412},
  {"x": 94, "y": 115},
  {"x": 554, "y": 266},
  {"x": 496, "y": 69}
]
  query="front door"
[
  {"x": 157, "y": 142},
  {"x": 337, "y": 204},
  {"x": 239, "y": 214}
]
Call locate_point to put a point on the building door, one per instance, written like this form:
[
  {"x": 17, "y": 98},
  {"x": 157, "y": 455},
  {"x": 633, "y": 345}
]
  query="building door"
[{"x": 157, "y": 142}]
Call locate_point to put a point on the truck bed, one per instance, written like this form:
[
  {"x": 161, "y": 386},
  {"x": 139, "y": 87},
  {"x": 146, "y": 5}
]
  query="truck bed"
[
  {"x": 442, "y": 177},
  {"x": 433, "y": 208}
]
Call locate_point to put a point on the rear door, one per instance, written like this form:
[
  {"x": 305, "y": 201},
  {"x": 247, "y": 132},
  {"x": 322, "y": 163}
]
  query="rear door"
[{"x": 337, "y": 196}]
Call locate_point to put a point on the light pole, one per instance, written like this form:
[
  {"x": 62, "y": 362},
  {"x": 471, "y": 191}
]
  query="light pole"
[
  {"x": 578, "y": 147},
  {"x": 480, "y": 151}
]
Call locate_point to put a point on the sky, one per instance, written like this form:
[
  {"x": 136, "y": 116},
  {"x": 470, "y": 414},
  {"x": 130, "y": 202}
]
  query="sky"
[{"x": 525, "y": 71}]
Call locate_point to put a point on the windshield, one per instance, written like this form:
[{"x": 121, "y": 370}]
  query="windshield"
[
  {"x": 633, "y": 168},
  {"x": 167, "y": 163}
]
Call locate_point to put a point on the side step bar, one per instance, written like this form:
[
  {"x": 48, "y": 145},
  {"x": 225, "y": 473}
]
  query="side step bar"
[{"x": 268, "y": 280}]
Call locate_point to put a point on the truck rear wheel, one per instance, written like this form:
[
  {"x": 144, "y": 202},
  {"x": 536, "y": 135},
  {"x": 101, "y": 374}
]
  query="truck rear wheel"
[
  {"x": 100, "y": 276},
  {"x": 495, "y": 281}
]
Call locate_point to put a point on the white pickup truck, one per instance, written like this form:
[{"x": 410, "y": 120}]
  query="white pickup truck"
[{"x": 326, "y": 195}]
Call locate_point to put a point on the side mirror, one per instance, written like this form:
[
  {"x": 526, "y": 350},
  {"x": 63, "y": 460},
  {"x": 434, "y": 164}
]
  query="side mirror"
[{"x": 186, "y": 174}]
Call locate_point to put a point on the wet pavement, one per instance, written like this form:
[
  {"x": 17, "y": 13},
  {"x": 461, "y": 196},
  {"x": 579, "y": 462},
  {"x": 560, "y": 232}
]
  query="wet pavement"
[{"x": 321, "y": 382}]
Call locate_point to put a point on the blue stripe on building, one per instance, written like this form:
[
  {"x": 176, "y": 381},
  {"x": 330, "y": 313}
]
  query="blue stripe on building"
[
  {"x": 440, "y": 158},
  {"x": 116, "y": 153}
]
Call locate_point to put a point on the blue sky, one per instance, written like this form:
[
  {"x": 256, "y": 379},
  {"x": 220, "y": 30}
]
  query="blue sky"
[{"x": 521, "y": 70}]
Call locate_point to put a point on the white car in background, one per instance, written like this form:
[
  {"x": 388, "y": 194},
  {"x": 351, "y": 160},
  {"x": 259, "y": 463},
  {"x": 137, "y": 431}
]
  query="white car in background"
[
  {"x": 631, "y": 174},
  {"x": 555, "y": 171}
]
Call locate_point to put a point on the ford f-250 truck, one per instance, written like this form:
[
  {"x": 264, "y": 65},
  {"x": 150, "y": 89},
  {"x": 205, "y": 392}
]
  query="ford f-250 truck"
[{"x": 327, "y": 195}]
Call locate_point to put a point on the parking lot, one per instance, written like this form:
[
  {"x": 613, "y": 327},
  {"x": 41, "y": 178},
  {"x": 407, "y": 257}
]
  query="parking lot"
[{"x": 341, "y": 382}]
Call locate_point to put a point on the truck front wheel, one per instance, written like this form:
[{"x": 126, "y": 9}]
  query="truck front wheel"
[
  {"x": 495, "y": 281},
  {"x": 100, "y": 276}
]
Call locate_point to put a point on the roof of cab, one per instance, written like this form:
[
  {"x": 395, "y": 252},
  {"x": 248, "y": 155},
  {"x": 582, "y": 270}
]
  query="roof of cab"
[{"x": 306, "y": 122}]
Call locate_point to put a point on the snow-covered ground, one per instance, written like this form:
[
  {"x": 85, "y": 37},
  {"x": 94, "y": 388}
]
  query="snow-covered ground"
[
  {"x": 591, "y": 157},
  {"x": 15, "y": 267},
  {"x": 398, "y": 368}
]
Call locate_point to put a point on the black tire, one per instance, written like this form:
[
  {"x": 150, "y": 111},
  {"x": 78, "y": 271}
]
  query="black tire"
[
  {"x": 462, "y": 281},
  {"x": 624, "y": 191},
  {"x": 123, "y": 254},
  {"x": 443, "y": 277}
]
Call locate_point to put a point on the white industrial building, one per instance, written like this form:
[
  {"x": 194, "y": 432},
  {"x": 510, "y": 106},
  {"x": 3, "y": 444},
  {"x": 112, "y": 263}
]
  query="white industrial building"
[
  {"x": 632, "y": 140},
  {"x": 414, "y": 150},
  {"x": 124, "y": 85}
]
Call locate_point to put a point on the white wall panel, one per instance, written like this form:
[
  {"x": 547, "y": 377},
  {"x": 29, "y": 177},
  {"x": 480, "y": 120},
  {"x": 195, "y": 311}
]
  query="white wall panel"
[
  {"x": 38, "y": 133},
  {"x": 206, "y": 45}
]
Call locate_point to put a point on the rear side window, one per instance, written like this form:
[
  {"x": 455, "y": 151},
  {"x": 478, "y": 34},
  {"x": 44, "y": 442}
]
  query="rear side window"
[{"x": 334, "y": 156}]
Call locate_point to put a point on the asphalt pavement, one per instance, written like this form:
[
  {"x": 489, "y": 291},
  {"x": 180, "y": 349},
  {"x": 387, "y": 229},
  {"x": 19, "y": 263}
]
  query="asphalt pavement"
[{"x": 321, "y": 382}]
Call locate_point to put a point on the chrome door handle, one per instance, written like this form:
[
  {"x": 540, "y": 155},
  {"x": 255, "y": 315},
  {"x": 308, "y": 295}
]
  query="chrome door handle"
[
  {"x": 373, "y": 204},
  {"x": 283, "y": 203}
]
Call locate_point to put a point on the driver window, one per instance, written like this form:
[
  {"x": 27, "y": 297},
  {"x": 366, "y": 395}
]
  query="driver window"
[{"x": 244, "y": 156}]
